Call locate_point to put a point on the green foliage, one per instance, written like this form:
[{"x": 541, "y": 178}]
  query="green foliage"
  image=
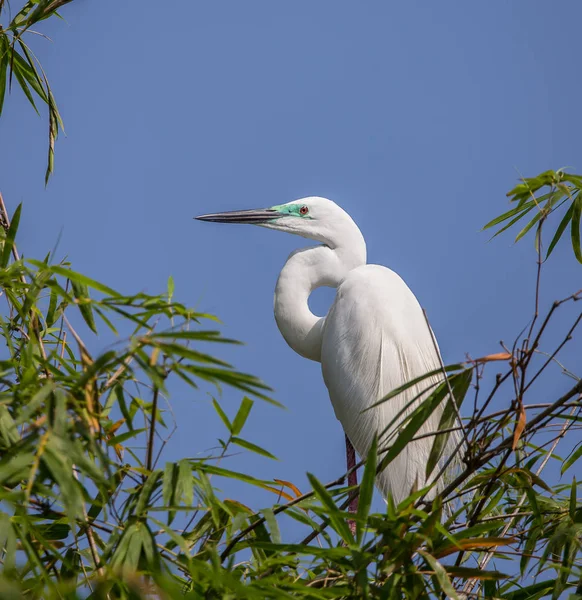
[
  {"x": 560, "y": 190},
  {"x": 18, "y": 62},
  {"x": 91, "y": 508},
  {"x": 87, "y": 506}
]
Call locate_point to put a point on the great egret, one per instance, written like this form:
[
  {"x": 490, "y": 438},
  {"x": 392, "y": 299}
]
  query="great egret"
[{"x": 374, "y": 338}]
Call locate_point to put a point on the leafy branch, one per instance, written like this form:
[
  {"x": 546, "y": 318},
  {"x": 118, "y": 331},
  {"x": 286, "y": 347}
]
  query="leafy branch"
[
  {"x": 19, "y": 62},
  {"x": 563, "y": 191}
]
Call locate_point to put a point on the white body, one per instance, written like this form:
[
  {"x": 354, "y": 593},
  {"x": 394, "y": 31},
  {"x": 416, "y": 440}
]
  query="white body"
[
  {"x": 374, "y": 299},
  {"x": 374, "y": 339}
]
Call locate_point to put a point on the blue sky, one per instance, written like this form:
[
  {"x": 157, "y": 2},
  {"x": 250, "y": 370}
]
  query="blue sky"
[{"x": 416, "y": 117}]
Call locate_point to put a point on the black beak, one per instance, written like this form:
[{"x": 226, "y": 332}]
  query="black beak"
[{"x": 256, "y": 216}]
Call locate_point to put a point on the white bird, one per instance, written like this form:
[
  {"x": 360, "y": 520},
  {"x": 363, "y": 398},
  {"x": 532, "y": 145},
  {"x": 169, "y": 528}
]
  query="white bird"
[{"x": 374, "y": 338}]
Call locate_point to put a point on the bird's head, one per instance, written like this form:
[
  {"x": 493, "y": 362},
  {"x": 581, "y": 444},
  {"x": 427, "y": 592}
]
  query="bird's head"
[{"x": 313, "y": 217}]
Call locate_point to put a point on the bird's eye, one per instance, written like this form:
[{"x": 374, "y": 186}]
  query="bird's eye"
[{"x": 303, "y": 210}]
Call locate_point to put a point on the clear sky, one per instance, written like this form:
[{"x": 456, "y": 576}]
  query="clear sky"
[{"x": 416, "y": 117}]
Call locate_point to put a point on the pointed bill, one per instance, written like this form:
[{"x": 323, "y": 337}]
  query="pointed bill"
[{"x": 256, "y": 216}]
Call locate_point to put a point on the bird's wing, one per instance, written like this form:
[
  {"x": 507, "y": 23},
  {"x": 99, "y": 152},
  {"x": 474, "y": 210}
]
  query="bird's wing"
[{"x": 376, "y": 339}]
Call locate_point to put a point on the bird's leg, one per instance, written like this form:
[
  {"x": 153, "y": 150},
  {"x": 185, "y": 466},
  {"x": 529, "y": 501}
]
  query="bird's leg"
[{"x": 352, "y": 480}]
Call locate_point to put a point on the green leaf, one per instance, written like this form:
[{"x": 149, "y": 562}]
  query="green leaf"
[
  {"x": 518, "y": 210},
  {"x": 148, "y": 488},
  {"x": 367, "y": 489},
  {"x": 54, "y": 531},
  {"x": 51, "y": 313},
  {"x": 573, "y": 503},
  {"x": 252, "y": 447},
  {"x": 419, "y": 417},
  {"x": 81, "y": 293},
  {"x": 575, "y": 227},
  {"x": 123, "y": 437},
  {"x": 198, "y": 335},
  {"x": 536, "y": 590},
  {"x": 459, "y": 383},
  {"x": 169, "y": 484},
  {"x": 229, "y": 474},
  {"x": 8, "y": 430},
  {"x": 17, "y": 72},
  {"x": 170, "y": 288},
  {"x": 474, "y": 573},
  {"x": 541, "y": 213},
  {"x": 176, "y": 349},
  {"x": 222, "y": 414},
  {"x": 71, "y": 565},
  {"x": 511, "y": 223},
  {"x": 3, "y": 68},
  {"x": 33, "y": 405},
  {"x": 271, "y": 521},
  {"x": 175, "y": 537},
  {"x": 440, "y": 574},
  {"x": 185, "y": 483},
  {"x": 335, "y": 516},
  {"x": 242, "y": 415},
  {"x": 29, "y": 72},
  {"x": 560, "y": 230},
  {"x": 128, "y": 550},
  {"x": 10, "y": 236},
  {"x": 77, "y": 277},
  {"x": 576, "y": 454},
  {"x": 395, "y": 392}
]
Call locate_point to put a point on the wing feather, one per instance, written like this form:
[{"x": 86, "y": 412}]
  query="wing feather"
[{"x": 376, "y": 339}]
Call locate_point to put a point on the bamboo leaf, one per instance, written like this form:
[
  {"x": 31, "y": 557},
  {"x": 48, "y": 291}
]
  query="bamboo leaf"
[
  {"x": 421, "y": 414},
  {"x": 10, "y": 237},
  {"x": 468, "y": 572},
  {"x": 271, "y": 521},
  {"x": 185, "y": 483},
  {"x": 123, "y": 437},
  {"x": 535, "y": 219},
  {"x": 221, "y": 472},
  {"x": 77, "y": 277},
  {"x": 336, "y": 518},
  {"x": 222, "y": 414},
  {"x": 395, "y": 392},
  {"x": 149, "y": 486},
  {"x": 367, "y": 489},
  {"x": 17, "y": 72},
  {"x": 193, "y": 335},
  {"x": 242, "y": 415},
  {"x": 29, "y": 71},
  {"x": 518, "y": 210},
  {"x": 576, "y": 454},
  {"x": 575, "y": 227},
  {"x": 252, "y": 447},
  {"x": 81, "y": 293},
  {"x": 560, "y": 230},
  {"x": 440, "y": 574},
  {"x": 174, "y": 536},
  {"x": 51, "y": 313},
  {"x": 171, "y": 288},
  {"x": 459, "y": 383},
  {"x": 3, "y": 68},
  {"x": 474, "y": 544}
]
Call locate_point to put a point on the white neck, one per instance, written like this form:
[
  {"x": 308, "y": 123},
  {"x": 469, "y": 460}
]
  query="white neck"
[{"x": 304, "y": 271}]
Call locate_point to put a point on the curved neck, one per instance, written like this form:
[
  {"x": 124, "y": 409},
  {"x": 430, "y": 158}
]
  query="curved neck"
[{"x": 304, "y": 271}]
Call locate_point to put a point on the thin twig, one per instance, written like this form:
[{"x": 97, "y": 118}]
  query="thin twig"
[{"x": 470, "y": 584}]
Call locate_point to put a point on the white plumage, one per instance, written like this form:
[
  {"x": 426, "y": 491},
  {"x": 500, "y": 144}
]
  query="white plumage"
[
  {"x": 374, "y": 339},
  {"x": 382, "y": 336}
]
